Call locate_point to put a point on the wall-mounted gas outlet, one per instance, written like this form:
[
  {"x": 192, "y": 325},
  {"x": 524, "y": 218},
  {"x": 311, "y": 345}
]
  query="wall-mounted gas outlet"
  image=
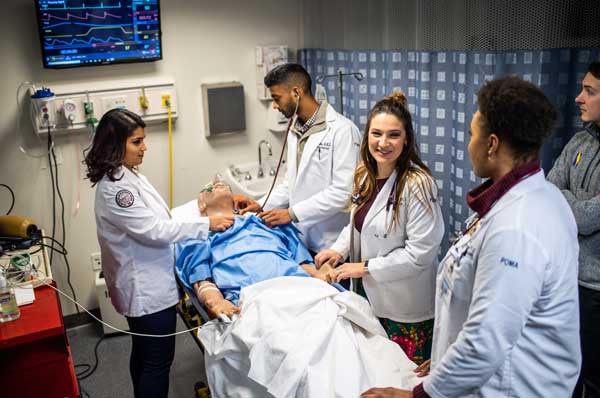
[
  {"x": 165, "y": 100},
  {"x": 119, "y": 102},
  {"x": 96, "y": 261}
]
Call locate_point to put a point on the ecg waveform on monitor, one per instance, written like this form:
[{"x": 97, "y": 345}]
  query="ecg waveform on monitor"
[
  {"x": 87, "y": 16},
  {"x": 89, "y": 31},
  {"x": 84, "y": 42},
  {"x": 91, "y": 27},
  {"x": 56, "y": 5}
]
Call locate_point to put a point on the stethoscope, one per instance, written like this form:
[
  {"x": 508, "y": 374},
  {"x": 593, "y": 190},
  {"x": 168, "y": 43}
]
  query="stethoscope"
[
  {"x": 287, "y": 133},
  {"x": 390, "y": 204}
]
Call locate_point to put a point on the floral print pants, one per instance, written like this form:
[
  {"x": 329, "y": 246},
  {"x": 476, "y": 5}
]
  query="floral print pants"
[{"x": 414, "y": 338}]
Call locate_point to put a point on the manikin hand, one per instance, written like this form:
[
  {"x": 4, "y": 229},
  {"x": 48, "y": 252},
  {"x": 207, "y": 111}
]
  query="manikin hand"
[
  {"x": 327, "y": 256},
  {"x": 322, "y": 274},
  {"x": 244, "y": 204},
  {"x": 220, "y": 223},
  {"x": 276, "y": 217},
  {"x": 209, "y": 295},
  {"x": 346, "y": 271},
  {"x": 220, "y": 306}
]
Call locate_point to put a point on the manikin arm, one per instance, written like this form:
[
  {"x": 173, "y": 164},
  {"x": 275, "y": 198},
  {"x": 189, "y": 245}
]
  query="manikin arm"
[
  {"x": 322, "y": 273},
  {"x": 209, "y": 296}
]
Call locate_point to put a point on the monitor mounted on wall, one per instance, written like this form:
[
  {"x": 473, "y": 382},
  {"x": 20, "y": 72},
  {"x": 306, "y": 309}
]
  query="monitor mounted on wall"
[{"x": 98, "y": 32}]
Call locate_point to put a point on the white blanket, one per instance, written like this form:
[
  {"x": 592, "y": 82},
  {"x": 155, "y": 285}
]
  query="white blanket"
[{"x": 300, "y": 337}]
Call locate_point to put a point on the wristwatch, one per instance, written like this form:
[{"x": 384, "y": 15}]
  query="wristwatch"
[{"x": 366, "y": 267}]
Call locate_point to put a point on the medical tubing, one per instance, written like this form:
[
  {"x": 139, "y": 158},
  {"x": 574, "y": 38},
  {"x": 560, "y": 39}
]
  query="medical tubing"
[
  {"x": 64, "y": 250},
  {"x": 83, "y": 375},
  {"x": 53, "y": 194},
  {"x": 63, "y": 229},
  {"x": 12, "y": 194},
  {"x": 82, "y": 392},
  {"x": 60, "y": 198},
  {"x": 77, "y": 148},
  {"x": 276, "y": 171},
  {"x": 170, "y": 125},
  {"x": 42, "y": 245},
  {"x": 83, "y": 371},
  {"x": 115, "y": 328},
  {"x": 287, "y": 133},
  {"x": 90, "y": 122}
]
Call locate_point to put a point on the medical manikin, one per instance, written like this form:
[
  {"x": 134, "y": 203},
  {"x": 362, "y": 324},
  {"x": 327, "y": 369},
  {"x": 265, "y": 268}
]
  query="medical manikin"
[
  {"x": 248, "y": 253},
  {"x": 291, "y": 336}
]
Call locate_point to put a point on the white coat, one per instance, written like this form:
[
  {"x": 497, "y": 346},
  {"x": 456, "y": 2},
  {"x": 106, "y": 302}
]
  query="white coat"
[
  {"x": 507, "y": 315},
  {"x": 320, "y": 190},
  {"x": 402, "y": 266},
  {"x": 135, "y": 232}
]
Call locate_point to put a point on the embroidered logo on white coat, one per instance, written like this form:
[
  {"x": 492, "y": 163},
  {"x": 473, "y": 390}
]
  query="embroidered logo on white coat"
[{"x": 124, "y": 198}]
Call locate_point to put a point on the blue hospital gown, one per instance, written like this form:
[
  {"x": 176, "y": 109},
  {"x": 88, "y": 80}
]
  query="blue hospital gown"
[{"x": 247, "y": 253}]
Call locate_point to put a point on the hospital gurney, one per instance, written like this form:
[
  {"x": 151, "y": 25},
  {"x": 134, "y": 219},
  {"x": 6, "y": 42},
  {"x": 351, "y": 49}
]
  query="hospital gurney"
[{"x": 192, "y": 312}]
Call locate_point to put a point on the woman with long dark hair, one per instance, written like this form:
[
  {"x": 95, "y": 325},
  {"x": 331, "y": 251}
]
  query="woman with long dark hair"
[
  {"x": 136, "y": 233},
  {"x": 395, "y": 230}
]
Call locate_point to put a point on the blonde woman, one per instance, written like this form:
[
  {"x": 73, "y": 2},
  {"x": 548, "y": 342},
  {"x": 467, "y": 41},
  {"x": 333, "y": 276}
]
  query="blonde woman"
[{"x": 396, "y": 228}]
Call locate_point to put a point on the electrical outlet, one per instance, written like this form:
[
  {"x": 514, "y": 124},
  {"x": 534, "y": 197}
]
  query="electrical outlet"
[{"x": 96, "y": 261}]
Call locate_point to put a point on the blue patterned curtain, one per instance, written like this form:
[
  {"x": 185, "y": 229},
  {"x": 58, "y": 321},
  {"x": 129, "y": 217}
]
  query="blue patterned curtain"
[{"x": 441, "y": 87}]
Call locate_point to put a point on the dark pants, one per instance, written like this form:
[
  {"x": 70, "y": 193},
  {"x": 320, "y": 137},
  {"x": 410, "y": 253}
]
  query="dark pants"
[
  {"x": 151, "y": 357},
  {"x": 588, "y": 385}
]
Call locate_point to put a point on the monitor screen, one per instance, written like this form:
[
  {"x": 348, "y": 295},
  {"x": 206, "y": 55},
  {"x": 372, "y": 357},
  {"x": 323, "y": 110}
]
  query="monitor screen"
[{"x": 98, "y": 32}]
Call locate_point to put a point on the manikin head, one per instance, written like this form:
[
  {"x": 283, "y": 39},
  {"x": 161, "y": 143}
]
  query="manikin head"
[{"x": 216, "y": 199}]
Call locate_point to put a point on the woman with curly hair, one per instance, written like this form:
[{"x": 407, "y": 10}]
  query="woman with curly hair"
[{"x": 395, "y": 229}]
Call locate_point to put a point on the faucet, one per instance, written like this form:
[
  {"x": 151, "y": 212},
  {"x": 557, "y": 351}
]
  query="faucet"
[
  {"x": 237, "y": 173},
  {"x": 261, "y": 172}
]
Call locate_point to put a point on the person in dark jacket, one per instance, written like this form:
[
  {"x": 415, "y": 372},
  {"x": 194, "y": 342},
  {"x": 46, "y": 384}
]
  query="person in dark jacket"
[{"x": 577, "y": 174}]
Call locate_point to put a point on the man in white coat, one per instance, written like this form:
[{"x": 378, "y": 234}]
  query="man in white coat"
[{"x": 321, "y": 156}]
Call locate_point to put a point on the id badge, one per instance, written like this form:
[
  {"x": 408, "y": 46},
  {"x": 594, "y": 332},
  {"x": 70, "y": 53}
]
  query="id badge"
[
  {"x": 450, "y": 264},
  {"x": 446, "y": 288}
]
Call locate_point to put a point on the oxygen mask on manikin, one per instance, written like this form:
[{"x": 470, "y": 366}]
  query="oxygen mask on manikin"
[{"x": 216, "y": 197}]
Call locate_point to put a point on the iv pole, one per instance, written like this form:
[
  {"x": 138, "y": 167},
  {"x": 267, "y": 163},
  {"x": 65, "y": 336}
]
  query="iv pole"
[{"x": 357, "y": 75}]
